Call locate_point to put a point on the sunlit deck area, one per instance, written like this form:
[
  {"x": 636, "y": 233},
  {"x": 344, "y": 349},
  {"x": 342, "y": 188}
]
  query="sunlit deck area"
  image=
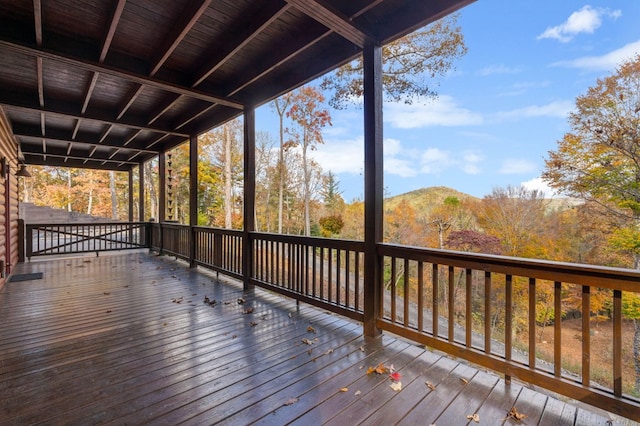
[{"x": 128, "y": 339}]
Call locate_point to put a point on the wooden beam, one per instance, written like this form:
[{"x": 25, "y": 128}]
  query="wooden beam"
[
  {"x": 373, "y": 186},
  {"x": 212, "y": 67},
  {"x": 131, "y": 98},
  {"x": 60, "y": 162},
  {"x": 113, "y": 24},
  {"x": 39, "y": 72},
  {"x": 37, "y": 21},
  {"x": 333, "y": 20},
  {"x": 61, "y": 154},
  {"x": 92, "y": 85},
  {"x": 167, "y": 105},
  {"x": 179, "y": 30},
  {"x": 119, "y": 73}
]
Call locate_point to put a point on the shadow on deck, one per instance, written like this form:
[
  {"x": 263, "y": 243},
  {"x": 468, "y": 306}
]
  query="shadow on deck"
[{"x": 127, "y": 339}]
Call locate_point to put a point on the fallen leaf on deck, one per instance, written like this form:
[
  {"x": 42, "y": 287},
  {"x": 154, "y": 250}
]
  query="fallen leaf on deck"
[
  {"x": 361, "y": 348},
  {"x": 431, "y": 385},
  {"x": 290, "y": 315},
  {"x": 344, "y": 390},
  {"x": 227, "y": 302},
  {"x": 307, "y": 341},
  {"x": 379, "y": 369},
  {"x": 513, "y": 414},
  {"x": 329, "y": 351},
  {"x": 248, "y": 311},
  {"x": 463, "y": 380},
  {"x": 87, "y": 261},
  {"x": 397, "y": 386},
  {"x": 357, "y": 393},
  {"x": 106, "y": 293},
  {"x": 395, "y": 376},
  {"x": 290, "y": 401},
  {"x": 311, "y": 329},
  {"x": 241, "y": 301},
  {"x": 234, "y": 336},
  {"x": 253, "y": 324},
  {"x": 475, "y": 417},
  {"x": 178, "y": 300},
  {"x": 109, "y": 311}
]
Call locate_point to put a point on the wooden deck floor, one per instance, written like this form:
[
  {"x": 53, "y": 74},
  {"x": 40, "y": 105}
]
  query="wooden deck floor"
[{"x": 127, "y": 339}]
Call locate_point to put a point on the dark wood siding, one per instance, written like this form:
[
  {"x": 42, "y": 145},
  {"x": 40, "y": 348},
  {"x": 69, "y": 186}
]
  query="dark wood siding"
[{"x": 8, "y": 237}]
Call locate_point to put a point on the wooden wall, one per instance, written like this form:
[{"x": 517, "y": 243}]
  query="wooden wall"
[{"x": 8, "y": 235}]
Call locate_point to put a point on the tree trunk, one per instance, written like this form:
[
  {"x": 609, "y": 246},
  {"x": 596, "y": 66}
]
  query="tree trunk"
[
  {"x": 90, "y": 201},
  {"x": 114, "y": 199},
  {"x": 636, "y": 351},
  {"x": 307, "y": 184},
  {"x": 228, "y": 206},
  {"x": 69, "y": 191}
]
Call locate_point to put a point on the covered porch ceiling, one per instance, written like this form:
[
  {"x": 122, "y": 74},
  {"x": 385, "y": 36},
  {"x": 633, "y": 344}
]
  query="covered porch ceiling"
[{"x": 108, "y": 84}]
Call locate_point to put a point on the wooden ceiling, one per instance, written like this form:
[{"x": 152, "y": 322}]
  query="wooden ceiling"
[{"x": 108, "y": 84}]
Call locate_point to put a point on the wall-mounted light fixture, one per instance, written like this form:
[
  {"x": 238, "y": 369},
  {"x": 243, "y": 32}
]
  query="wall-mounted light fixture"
[{"x": 22, "y": 171}]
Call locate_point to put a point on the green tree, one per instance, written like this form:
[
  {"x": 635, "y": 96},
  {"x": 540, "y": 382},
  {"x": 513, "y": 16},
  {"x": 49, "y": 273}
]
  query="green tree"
[
  {"x": 410, "y": 65},
  {"x": 599, "y": 161}
]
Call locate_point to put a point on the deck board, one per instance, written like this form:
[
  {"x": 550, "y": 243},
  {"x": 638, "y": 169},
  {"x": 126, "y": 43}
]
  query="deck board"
[{"x": 105, "y": 341}]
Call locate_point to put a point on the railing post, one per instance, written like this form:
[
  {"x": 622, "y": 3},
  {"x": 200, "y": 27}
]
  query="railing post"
[
  {"x": 249, "y": 194},
  {"x": 373, "y": 186},
  {"x": 21, "y": 240}
]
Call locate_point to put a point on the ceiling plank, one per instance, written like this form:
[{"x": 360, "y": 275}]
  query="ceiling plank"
[
  {"x": 333, "y": 20},
  {"x": 180, "y": 29},
  {"x": 119, "y": 73},
  {"x": 212, "y": 67}
]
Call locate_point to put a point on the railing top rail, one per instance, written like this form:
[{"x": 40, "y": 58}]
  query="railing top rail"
[
  {"x": 225, "y": 231},
  {"x": 575, "y": 273},
  {"x": 44, "y": 225},
  {"x": 311, "y": 241}
]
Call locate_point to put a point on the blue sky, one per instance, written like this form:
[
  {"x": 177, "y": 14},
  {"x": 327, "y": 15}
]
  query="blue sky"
[{"x": 502, "y": 108}]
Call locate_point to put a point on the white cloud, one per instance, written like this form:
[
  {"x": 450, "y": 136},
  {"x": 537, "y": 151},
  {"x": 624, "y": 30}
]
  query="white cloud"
[
  {"x": 540, "y": 185},
  {"x": 341, "y": 155},
  {"x": 553, "y": 109},
  {"x": 440, "y": 112},
  {"x": 399, "y": 167},
  {"x": 606, "y": 62},
  {"x": 585, "y": 20},
  {"x": 470, "y": 162},
  {"x": 498, "y": 69},
  {"x": 515, "y": 166},
  {"x": 435, "y": 160}
]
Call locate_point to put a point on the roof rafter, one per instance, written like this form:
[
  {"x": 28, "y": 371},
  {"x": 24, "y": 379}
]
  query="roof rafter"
[{"x": 333, "y": 20}]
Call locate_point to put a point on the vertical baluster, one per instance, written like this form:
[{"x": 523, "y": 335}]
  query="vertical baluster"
[
  {"x": 586, "y": 336},
  {"x": 330, "y": 275},
  {"x": 434, "y": 303},
  {"x": 557, "y": 329},
  {"x": 406, "y": 292},
  {"x": 322, "y": 273},
  {"x": 314, "y": 270},
  {"x": 508, "y": 326},
  {"x": 468, "y": 301},
  {"x": 617, "y": 343},
  {"x": 452, "y": 301},
  {"x": 357, "y": 283},
  {"x": 393, "y": 289},
  {"x": 347, "y": 273},
  {"x": 338, "y": 270},
  {"x": 420, "y": 303},
  {"x": 487, "y": 312},
  {"x": 532, "y": 322}
]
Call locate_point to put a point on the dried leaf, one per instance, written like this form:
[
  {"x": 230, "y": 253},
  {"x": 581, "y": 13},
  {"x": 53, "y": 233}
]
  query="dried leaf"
[
  {"x": 370, "y": 370},
  {"x": 106, "y": 293},
  {"x": 381, "y": 369},
  {"x": 307, "y": 341},
  {"x": 253, "y": 324},
  {"x": 248, "y": 311},
  {"x": 290, "y": 401},
  {"x": 475, "y": 417},
  {"x": 397, "y": 386},
  {"x": 431, "y": 385},
  {"x": 463, "y": 380},
  {"x": 109, "y": 311},
  {"x": 513, "y": 414},
  {"x": 241, "y": 301},
  {"x": 311, "y": 329},
  {"x": 395, "y": 376},
  {"x": 361, "y": 348},
  {"x": 357, "y": 393},
  {"x": 344, "y": 390},
  {"x": 329, "y": 351}
]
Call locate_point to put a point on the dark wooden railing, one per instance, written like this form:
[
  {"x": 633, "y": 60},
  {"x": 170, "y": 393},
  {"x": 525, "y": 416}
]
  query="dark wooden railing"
[
  {"x": 57, "y": 239},
  {"x": 472, "y": 306},
  {"x": 323, "y": 272}
]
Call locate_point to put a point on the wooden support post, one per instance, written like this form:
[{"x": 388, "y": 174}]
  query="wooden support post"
[
  {"x": 162, "y": 187},
  {"x": 193, "y": 197},
  {"x": 249, "y": 194},
  {"x": 373, "y": 186},
  {"x": 131, "y": 195}
]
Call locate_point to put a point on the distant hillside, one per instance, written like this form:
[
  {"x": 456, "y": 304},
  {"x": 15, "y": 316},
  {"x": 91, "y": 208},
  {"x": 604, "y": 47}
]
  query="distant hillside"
[{"x": 425, "y": 199}]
